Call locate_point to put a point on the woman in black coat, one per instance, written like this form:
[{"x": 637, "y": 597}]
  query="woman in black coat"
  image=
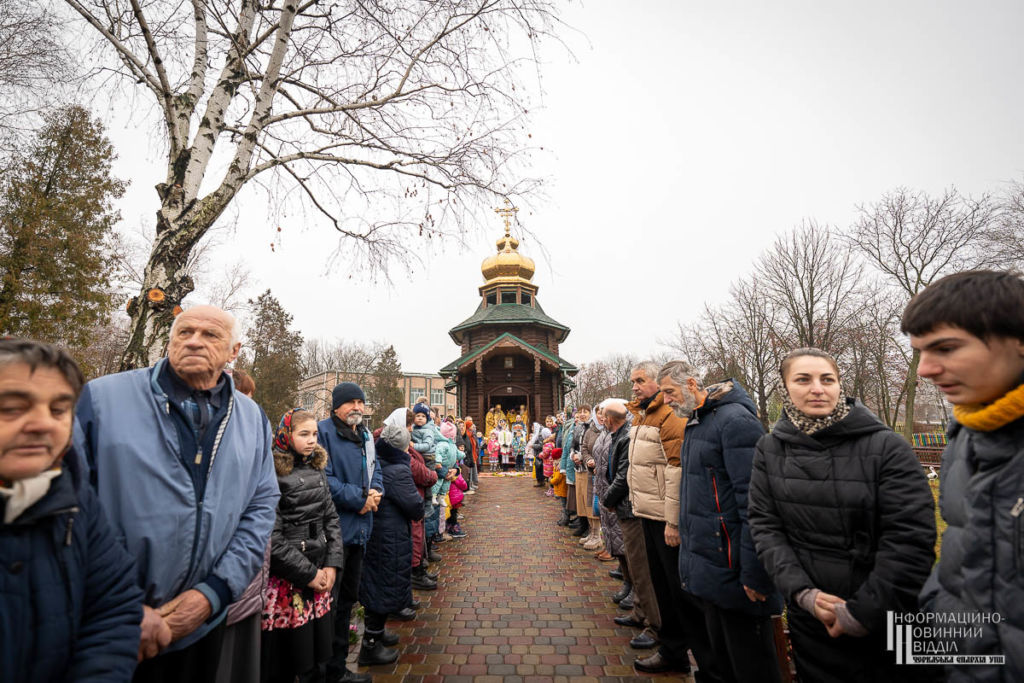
[
  {"x": 843, "y": 520},
  {"x": 387, "y": 581}
]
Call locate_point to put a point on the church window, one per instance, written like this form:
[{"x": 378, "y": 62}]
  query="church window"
[
  {"x": 492, "y": 298},
  {"x": 508, "y": 296},
  {"x": 526, "y": 299}
]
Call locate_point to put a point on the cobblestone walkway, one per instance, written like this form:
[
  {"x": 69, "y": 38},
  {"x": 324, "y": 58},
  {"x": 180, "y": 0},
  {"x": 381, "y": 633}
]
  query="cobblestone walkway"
[{"x": 518, "y": 600}]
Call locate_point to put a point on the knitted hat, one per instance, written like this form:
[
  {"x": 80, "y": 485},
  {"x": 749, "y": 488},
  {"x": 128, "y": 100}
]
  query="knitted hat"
[
  {"x": 345, "y": 392},
  {"x": 421, "y": 408},
  {"x": 395, "y": 436},
  {"x": 448, "y": 430}
]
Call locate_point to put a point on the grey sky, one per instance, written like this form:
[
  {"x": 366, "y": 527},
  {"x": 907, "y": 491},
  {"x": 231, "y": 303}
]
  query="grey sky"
[{"x": 683, "y": 140}]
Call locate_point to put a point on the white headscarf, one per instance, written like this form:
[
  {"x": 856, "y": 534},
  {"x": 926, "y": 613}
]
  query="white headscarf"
[{"x": 397, "y": 417}]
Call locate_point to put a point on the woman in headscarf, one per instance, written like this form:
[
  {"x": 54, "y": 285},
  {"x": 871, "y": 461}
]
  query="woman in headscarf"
[{"x": 844, "y": 521}]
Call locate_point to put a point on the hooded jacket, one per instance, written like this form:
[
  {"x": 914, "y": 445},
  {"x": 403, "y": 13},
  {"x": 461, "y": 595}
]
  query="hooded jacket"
[
  {"x": 716, "y": 553},
  {"x": 846, "y": 510},
  {"x": 70, "y": 607},
  {"x": 446, "y": 454},
  {"x": 306, "y": 535},
  {"x": 655, "y": 440},
  {"x": 213, "y": 542},
  {"x": 982, "y": 564},
  {"x": 617, "y": 496},
  {"x": 352, "y": 470},
  {"x": 385, "y": 584}
]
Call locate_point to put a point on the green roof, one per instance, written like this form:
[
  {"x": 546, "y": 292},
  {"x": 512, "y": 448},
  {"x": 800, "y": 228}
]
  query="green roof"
[
  {"x": 563, "y": 365},
  {"x": 508, "y": 313}
]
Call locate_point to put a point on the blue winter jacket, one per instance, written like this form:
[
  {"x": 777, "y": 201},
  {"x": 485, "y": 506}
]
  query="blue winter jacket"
[
  {"x": 447, "y": 455},
  {"x": 424, "y": 438},
  {"x": 566, "y": 463},
  {"x": 180, "y": 541},
  {"x": 717, "y": 557},
  {"x": 69, "y": 606},
  {"x": 352, "y": 470}
]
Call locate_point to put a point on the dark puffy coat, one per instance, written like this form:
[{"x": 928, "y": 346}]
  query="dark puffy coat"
[
  {"x": 847, "y": 510},
  {"x": 982, "y": 564},
  {"x": 716, "y": 554},
  {"x": 387, "y": 565},
  {"x": 348, "y": 453},
  {"x": 307, "y": 536},
  {"x": 70, "y": 607},
  {"x": 617, "y": 496}
]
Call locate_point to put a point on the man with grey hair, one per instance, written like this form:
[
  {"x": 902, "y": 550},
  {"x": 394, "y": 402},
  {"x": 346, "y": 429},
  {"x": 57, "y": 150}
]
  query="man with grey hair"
[
  {"x": 182, "y": 464},
  {"x": 718, "y": 565}
]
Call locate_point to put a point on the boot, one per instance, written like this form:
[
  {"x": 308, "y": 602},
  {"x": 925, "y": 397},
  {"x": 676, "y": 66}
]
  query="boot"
[
  {"x": 420, "y": 581},
  {"x": 373, "y": 651},
  {"x": 586, "y": 539},
  {"x": 564, "y": 519},
  {"x": 623, "y": 593},
  {"x": 583, "y": 527},
  {"x": 390, "y": 638}
]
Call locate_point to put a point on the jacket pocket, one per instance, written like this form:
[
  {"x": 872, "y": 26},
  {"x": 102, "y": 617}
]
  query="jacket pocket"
[{"x": 726, "y": 546}]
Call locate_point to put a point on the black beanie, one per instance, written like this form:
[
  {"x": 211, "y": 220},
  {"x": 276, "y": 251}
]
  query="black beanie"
[{"x": 345, "y": 392}]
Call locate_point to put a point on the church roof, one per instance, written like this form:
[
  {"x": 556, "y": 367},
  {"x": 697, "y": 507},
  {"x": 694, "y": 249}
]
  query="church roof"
[
  {"x": 506, "y": 340},
  {"x": 508, "y": 313}
]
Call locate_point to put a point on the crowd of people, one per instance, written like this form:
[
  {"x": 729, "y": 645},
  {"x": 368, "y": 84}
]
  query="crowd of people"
[{"x": 157, "y": 528}]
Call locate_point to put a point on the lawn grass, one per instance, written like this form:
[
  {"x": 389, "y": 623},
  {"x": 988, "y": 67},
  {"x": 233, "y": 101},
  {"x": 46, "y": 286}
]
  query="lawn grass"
[{"x": 940, "y": 524}]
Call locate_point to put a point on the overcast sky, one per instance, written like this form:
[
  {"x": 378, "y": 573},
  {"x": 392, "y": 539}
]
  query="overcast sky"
[{"x": 680, "y": 140}]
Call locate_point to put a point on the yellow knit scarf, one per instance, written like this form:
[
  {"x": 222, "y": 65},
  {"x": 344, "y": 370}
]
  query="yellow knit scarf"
[{"x": 986, "y": 418}]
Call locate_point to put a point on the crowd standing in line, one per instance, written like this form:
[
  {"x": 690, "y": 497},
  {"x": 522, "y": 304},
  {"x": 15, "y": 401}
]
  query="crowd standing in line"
[{"x": 154, "y": 528}]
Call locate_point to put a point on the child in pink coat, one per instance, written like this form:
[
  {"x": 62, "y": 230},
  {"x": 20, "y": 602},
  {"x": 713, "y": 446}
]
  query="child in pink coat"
[
  {"x": 456, "y": 495},
  {"x": 493, "y": 451}
]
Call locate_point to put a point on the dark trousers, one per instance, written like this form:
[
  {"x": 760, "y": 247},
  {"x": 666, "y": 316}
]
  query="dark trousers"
[
  {"x": 197, "y": 662},
  {"x": 743, "y": 645},
  {"x": 682, "y": 615},
  {"x": 570, "y": 498},
  {"x": 374, "y": 622},
  {"x": 346, "y": 592}
]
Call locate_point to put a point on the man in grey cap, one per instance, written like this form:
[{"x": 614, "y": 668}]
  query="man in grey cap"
[{"x": 356, "y": 487}]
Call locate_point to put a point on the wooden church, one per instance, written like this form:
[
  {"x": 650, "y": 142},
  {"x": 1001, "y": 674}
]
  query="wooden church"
[{"x": 509, "y": 345}]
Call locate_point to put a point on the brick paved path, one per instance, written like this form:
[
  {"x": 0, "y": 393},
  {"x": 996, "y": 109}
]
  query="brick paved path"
[{"x": 518, "y": 600}]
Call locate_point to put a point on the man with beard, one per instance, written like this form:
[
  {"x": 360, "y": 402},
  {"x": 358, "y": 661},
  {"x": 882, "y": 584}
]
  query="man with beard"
[
  {"x": 718, "y": 565},
  {"x": 356, "y": 487}
]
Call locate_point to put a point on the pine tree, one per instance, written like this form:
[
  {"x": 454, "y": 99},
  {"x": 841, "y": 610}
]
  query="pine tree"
[
  {"x": 56, "y": 227},
  {"x": 273, "y": 356},
  {"x": 385, "y": 392}
]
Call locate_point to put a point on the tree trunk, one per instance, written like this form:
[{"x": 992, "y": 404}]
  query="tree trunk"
[
  {"x": 165, "y": 283},
  {"x": 911, "y": 385}
]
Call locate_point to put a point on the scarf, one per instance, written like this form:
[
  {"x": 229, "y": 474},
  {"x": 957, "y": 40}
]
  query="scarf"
[
  {"x": 809, "y": 425},
  {"x": 24, "y": 493},
  {"x": 999, "y": 413}
]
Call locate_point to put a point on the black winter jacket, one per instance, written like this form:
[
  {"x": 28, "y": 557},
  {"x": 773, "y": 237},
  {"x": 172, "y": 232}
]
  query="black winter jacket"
[
  {"x": 387, "y": 565},
  {"x": 617, "y": 496},
  {"x": 69, "y": 604},
  {"x": 848, "y": 511},
  {"x": 982, "y": 564},
  {"x": 716, "y": 554},
  {"x": 307, "y": 535}
]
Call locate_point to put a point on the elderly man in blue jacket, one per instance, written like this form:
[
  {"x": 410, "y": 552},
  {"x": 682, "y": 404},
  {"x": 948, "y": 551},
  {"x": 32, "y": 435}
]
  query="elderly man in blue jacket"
[
  {"x": 182, "y": 464},
  {"x": 357, "y": 486},
  {"x": 717, "y": 560}
]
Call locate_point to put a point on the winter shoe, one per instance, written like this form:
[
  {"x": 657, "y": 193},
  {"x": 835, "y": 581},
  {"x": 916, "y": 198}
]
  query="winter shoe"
[
  {"x": 374, "y": 653},
  {"x": 623, "y": 593},
  {"x": 390, "y": 638},
  {"x": 564, "y": 519}
]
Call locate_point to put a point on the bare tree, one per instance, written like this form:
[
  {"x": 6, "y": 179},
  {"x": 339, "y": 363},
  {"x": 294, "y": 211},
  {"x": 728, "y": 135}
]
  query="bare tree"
[
  {"x": 33, "y": 60},
  {"x": 1006, "y": 238},
  {"x": 913, "y": 239},
  {"x": 811, "y": 278},
  {"x": 344, "y": 105},
  {"x": 359, "y": 358}
]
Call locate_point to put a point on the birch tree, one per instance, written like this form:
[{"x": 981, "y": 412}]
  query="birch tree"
[
  {"x": 914, "y": 239},
  {"x": 388, "y": 119}
]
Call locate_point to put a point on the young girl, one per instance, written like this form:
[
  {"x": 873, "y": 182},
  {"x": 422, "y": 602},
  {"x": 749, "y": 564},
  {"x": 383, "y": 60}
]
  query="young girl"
[
  {"x": 456, "y": 496},
  {"x": 493, "y": 450},
  {"x": 305, "y": 553}
]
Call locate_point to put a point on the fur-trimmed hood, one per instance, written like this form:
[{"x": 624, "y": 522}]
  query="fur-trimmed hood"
[{"x": 284, "y": 462}]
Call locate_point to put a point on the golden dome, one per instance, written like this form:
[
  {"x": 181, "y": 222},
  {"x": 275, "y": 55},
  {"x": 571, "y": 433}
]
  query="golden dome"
[{"x": 508, "y": 263}]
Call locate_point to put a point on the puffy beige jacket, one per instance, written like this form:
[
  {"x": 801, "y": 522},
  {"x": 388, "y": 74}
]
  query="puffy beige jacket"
[{"x": 654, "y": 478}]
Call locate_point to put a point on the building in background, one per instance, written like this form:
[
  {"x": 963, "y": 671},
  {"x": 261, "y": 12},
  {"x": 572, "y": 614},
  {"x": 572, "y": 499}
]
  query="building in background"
[
  {"x": 509, "y": 345},
  {"x": 315, "y": 392}
]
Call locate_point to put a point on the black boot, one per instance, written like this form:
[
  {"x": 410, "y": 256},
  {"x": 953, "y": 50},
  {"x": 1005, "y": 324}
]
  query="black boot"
[
  {"x": 564, "y": 519},
  {"x": 623, "y": 593},
  {"x": 583, "y": 527},
  {"x": 390, "y": 638},
  {"x": 420, "y": 581},
  {"x": 373, "y": 651}
]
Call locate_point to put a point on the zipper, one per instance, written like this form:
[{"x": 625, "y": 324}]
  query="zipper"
[
  {"x": 1015, "y": 512},
  {"x": 63, "y": 562},
  {"x": 721, "y": 520}
]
